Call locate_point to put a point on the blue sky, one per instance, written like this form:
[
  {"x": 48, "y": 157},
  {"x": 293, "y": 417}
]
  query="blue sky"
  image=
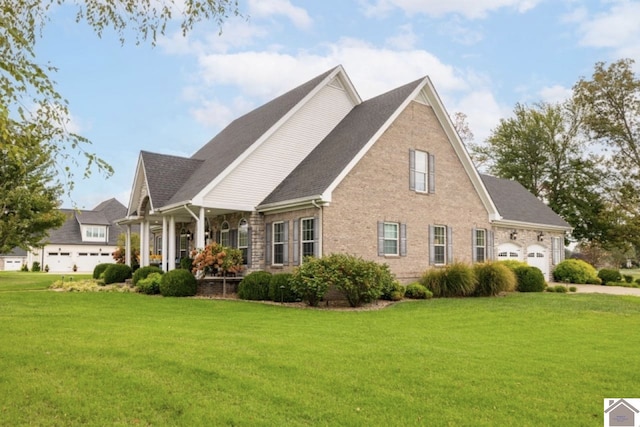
[{"x": 483, "y": 57}]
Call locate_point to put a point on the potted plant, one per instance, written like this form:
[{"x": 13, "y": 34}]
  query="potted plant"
[{"x": 46, "y": 268}]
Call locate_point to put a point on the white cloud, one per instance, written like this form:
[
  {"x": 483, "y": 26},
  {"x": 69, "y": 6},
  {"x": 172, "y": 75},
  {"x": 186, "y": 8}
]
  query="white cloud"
[
  {"x": 616, "y": 29},
  {"x": 470, "y": 9},
  {"x": 482, "y": 110},
  {"x": 266, "y": 8},
  {"x": 405, "y": 39},
  {"x": 555, "y": 94}
]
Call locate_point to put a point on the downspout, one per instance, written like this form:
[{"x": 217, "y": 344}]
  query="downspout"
[{"x": 317, "y": 206}]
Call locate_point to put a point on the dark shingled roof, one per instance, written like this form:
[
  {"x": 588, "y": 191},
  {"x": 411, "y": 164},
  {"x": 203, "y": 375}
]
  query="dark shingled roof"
[
  {"x": 103, "y": 214},
  {"x": 15, "y": 252},
  {"x": 239, "y": 135},
  {"x": 166, "y": 174},
  {"x": 516, "y": 203},
  {"x": 323, "y": 165}
]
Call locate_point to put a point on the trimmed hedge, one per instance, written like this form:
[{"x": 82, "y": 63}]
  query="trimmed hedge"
[
  {"x": 280, "y": 288},
  {"x": 117, "y": 273},
  {"x": 178, "y": 283},
  {"x": 150, "y": 285},
  {"x": 417, "y": 291},
  {"x": 609, "y": 275},
  {"x": 99, "y": 269},
  {"x": 576, "y": 271},
  {"x": 494, "y": 278},
  {"x": 144, "y": 272},
  {"x": 530, "y": 279},
  {"x": 255, "y": 286}
]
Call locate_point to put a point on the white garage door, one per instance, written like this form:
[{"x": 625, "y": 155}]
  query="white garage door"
[
  {"x": 58, "y": 261},
  {"x": 12, "y": 264},
  {"x": 537, "y": 257},
  {"x": 509, "y": 251}
]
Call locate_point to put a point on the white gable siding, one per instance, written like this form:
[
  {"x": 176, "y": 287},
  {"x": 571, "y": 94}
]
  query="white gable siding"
[
  {"x": 139, "y": 185},
  {"x": 256, "y": 177}
]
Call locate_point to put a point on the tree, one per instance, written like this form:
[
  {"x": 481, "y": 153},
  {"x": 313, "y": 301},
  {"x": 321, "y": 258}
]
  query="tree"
[
  {"x": 34, "y": 115},
  {"x": 611, "y": 104},
  {"x": 28, "y": 202},
  {"x": 540, "y": 147}
]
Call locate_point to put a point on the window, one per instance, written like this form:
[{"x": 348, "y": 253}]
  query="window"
[
  {"x": 243, "y": 239},
  {"x": 439, "y": 244},
  {"x": 421, "y": 172},
  {"x": 94, "y": 233},
  {"x": 557, "y": 244},
  {"x": 278, "y": 243},
  {"x": 308, "y": 237},
  {"x": 479, "y": 245},
  {"x": 224, "y": 234},
  {"x": 390, "y": 246}
]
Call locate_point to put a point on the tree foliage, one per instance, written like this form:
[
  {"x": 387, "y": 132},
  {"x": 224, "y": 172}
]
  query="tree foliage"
[
  {"x": 34, "y": 116},
  {"x": 541, "y": 147}
]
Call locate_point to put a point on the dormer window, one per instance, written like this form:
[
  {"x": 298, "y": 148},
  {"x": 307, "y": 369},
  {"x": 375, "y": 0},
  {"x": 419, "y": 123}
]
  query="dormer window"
[{"x": 94, "y": 233}]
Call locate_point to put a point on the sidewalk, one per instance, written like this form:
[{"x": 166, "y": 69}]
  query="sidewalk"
[{"x": 598, "y": 289}]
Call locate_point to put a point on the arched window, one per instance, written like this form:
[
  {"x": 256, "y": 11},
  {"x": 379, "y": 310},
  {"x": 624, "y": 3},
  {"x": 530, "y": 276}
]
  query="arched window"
[
  {"x": 243, "y": 239},
  {"x": 224, "y": 234}
]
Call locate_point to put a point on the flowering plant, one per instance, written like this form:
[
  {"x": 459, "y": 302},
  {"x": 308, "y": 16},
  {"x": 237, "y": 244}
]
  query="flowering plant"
[{"x": 217, "y": 257}]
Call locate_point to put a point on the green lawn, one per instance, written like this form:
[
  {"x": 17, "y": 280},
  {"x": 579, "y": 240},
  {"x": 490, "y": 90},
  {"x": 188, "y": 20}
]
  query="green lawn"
[{"x": 128, "y": 359}]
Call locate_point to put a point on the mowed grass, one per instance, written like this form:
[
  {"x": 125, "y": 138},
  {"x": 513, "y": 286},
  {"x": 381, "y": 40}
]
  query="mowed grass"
[
  {"x": 23, "y": 281},
  {"x": 128, "y": 359}
]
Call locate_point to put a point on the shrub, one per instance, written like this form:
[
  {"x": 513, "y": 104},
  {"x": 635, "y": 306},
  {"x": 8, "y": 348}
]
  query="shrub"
[
  {"x": 609, "y": 275},
  {"x": 638, "y": 281},
  {"x": 358, "y": 280},
  {"x": 417, "y": 291},
  {"x": 35, "y": 266},
  {"x": 514, "y": 264},
  {"x": 178, "y": 283},
  {"x": 575, "y": 271},
  {"x": 628, "y": 278},
  {"x": 24, "y": 267},
  {"x": 255, "y": 286},
  {"x": 280, "y": 288},
  {"x": 144, "y": 272},
  {"x": 116, "y": 273},
  {"x": 393, "y": 291},
  {"x": 530, "y": 279},
  {"x": 150, "y": 285},
  {"x": 573, "y": 289},
  {"x": 455, "y": 280},
  {"x": 185, "y": 263},
  {"x": 560, "y": 289},
  {"x": 99, "y": 269},
  {"x": 493, "y": 278}
]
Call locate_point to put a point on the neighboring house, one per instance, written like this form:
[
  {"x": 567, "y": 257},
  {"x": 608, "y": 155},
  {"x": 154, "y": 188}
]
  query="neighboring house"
[
  {"x": 14, "y": 260},
  {"x": 87, "y": 238},
  {"x": 621, "y": 413},
  {"x": 318, "y": 170}
]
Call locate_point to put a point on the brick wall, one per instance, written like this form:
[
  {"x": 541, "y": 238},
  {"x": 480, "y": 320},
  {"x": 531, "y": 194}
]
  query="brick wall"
[{"x": 377, "y": 189}]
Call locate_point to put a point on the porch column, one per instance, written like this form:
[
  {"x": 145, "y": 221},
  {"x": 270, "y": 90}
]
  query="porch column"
[
  {"x": 200, "y": 230},
  {"x": 172, "y": 243},
  {"x": 164, "y": 244},
  {"x": 142, "y": 238},
  {"x": 127, "y": 246}
]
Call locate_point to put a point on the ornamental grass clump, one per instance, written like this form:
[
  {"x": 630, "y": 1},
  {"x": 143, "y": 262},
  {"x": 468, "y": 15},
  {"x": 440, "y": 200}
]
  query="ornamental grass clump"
[
  {"x": 455, "y": 280},
  {"x": 494, "y": 278},
  {"x": 576, "y": 271}
]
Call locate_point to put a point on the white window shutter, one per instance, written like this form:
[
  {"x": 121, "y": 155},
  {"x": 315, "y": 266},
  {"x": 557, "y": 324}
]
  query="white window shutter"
[
  {"x": 449, "y": 259},
  {"x": 403, "y": 239},
  {"x": 380, "y": 238},
  {"x": 412, "y": 170},
  {"x": 296, "y": 242},
  {"x": 432, "y": 173}
]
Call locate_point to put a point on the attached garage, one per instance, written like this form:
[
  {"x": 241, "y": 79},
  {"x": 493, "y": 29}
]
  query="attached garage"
[
  {"x": 58, "y": 261},
  {"x": 537, "y": 256},
  {"x": 13, "y": 264},
  {"x": 507, "y": 251}
]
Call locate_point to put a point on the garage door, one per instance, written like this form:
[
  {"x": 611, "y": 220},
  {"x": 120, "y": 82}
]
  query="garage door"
[
  {"x": 509, "y": 251},
  {"x": 12, "y": 264},
  {"x": 58, "y": 261},
  {"x": 537, "y": 257}
]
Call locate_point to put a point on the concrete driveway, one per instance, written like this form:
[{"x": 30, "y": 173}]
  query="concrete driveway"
[{"x": 597, "y": 289}]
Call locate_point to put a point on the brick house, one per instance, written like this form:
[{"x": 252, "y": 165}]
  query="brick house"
[{"x": 318, "y": 170}]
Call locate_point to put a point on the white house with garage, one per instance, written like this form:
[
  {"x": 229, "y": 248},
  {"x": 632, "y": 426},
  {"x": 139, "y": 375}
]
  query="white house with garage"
[{"x": 86, "y": 239}]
